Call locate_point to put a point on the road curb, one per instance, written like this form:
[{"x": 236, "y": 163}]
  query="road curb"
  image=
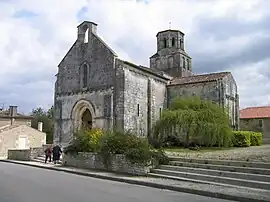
[{"x": 148, "y": 184}]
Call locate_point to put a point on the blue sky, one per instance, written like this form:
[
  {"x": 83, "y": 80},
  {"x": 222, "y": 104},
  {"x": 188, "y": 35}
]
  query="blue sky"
[{"x": 221, "y": 35}]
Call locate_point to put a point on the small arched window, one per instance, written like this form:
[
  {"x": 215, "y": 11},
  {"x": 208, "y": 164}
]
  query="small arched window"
[
  {"x": 188, "y": 67},
  {"x": 85, "y": 75},
  {"x": 165, "y": 42},
  {"x": 184, "y": 62},
  {"x": 173, "y": 42}
]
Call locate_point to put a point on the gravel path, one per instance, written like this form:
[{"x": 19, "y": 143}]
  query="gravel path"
[{"x": 259, "y": 153}]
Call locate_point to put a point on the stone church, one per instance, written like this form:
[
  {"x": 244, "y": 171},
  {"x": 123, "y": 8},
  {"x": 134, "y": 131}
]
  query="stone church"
[{"x": 95, "y": 88}]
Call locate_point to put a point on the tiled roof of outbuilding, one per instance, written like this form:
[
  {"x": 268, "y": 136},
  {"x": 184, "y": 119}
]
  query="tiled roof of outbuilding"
[{"x": 255, "y": 112}]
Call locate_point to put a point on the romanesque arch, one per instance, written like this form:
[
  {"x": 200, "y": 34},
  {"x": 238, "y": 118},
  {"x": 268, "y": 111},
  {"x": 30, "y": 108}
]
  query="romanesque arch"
[{"x": 83, "y": 115}]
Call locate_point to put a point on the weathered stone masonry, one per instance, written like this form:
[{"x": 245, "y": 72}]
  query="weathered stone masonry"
[{"x": 95, "y": 88}]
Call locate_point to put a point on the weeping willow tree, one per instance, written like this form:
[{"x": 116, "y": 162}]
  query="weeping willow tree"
[{"x": 193, "y": 121}]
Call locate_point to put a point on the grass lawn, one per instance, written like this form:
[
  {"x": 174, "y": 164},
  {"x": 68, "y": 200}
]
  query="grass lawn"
[{"x": 202, "y": 149}]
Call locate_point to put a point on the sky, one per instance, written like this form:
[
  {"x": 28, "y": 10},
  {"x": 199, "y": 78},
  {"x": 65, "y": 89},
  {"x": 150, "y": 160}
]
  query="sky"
[{"x": 220, "y": 35}]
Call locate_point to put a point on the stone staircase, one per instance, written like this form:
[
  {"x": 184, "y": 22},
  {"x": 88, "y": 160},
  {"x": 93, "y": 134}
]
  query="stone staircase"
[
  {"x": 217, "y": 172},
  {"x": 41, "y": 159}
]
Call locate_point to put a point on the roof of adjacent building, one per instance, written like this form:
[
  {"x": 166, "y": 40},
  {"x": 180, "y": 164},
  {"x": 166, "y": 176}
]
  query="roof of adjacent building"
[
  {"x": 5, "y": 114},
  {"x": 198, "y": 78},
  {"x": 255, "y": 112}
]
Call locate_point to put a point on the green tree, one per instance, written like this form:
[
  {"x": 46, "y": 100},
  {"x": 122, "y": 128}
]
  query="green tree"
[
  {"x": 46, "y": 117},
  {"x": 193, "y": 121}
]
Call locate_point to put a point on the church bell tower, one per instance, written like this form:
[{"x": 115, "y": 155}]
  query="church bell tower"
[{"x": 171, "y": 57}]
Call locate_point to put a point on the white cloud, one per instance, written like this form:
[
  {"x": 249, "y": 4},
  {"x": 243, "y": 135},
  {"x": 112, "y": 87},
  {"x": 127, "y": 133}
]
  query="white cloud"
[{"x": 32, "y": 47}]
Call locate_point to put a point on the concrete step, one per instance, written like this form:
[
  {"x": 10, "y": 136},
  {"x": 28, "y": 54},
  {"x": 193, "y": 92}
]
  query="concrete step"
[
  {"x": 204, "y": 182},
  {"x": 261, "y": 171},
  {"x": 238, "y": 175},
  {"x": 224, "y": 162},
  {"x": 216, "y": 179}
]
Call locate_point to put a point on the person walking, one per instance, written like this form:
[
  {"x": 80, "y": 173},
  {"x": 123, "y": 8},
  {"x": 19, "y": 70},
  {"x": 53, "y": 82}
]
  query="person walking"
[
  {"x": 56, "y": 153},
  {"x": 48, "y": 154}
]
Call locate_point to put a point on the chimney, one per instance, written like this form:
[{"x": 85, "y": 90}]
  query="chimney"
[
  {"x": 13, "y": 111},
  {"x": 40, "y": 126}
]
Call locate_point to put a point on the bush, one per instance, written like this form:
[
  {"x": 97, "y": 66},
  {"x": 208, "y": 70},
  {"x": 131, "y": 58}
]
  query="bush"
[
  {"x": 241, "y": 139},
  {"x": 256, "y": 139},
  {"x": 113, "y": 143},
  {"x": 136, "y": 150},
  {"x": 246, "y": 139},
  {"x": 85, "y": 141}
]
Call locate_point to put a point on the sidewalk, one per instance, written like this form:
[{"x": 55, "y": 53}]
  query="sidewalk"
[{"x": 225, "y": 192}]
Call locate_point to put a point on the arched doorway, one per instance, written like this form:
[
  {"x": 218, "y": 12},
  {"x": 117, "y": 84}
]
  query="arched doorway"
[
  {"x": 86, "y": 119},
  {"x": 83, "y": 115}
]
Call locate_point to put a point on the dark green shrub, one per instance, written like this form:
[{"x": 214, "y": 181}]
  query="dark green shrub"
[
  {"x": 256, "y": 139},
  {"x": 241, "y": 139},
  {"x": 160, "y": 157}
]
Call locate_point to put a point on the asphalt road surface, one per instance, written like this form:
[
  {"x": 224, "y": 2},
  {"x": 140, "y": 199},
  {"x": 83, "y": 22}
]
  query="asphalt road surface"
[{"x": 20, "y": 183}]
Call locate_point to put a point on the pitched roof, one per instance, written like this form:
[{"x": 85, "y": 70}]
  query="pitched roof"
[
  {"x": 198, "y": 78},
  {"x": 255, "y": 112},
  {"x": 148, "y": 70}
]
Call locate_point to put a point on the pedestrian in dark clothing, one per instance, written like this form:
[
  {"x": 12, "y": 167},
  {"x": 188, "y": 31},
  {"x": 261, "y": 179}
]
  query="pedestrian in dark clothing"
[
  {"x": 56, "y": 153},
  {"x": 48, "y": 154}
]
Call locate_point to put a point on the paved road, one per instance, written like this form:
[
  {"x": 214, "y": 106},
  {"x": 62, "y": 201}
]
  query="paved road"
[{"x": 20, "y": 183}]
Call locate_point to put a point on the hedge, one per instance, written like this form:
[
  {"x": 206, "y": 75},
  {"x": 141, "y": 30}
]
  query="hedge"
[{"x": 246, "y": 139}]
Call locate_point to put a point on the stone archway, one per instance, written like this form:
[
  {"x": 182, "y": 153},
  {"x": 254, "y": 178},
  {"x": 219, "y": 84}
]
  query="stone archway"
[{"x": 83, "y": 115}]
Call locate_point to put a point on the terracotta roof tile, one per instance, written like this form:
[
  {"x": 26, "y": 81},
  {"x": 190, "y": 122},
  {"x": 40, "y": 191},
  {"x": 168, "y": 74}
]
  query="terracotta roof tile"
[
  {"x": 255, "y": 112},
  {"x": 198, "y": 78}
]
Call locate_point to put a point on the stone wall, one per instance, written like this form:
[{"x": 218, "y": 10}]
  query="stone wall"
[
  {"x": 266, "y": 131},
  {"x": 231, "y": 100},
  {"x": 19, "y": 154},
  {"x": 207, "y": 90},
  {"x": 98, "y": 99},
  {"x": 143, "y": 96},
  {"x": 27, "y": 154},
  {"x": 135, "y": 104},
  {"x": 257, "y": 125},
  {"x": 117, "y": 163}
]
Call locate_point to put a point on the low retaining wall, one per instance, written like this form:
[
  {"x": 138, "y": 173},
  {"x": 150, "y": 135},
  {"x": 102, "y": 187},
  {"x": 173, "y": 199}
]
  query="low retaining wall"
[
  {"x": 116, "y": 163},
  {"x": 19, "y": 154},
  {"x": 26, "y": 154}
]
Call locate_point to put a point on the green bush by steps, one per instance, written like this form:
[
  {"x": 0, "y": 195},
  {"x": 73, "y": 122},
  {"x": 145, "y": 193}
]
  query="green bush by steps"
[{"x": 246, "y": 139}]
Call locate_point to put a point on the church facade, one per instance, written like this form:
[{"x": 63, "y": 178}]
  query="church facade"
[{"x": 95, "y": 88}]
